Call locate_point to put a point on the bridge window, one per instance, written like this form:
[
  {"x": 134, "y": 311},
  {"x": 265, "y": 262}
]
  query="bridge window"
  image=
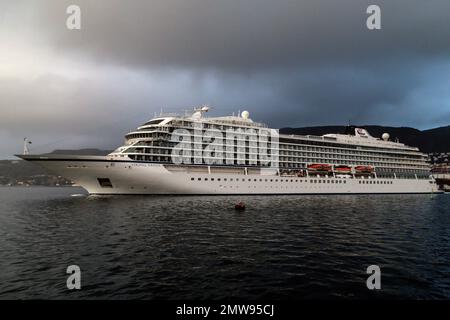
[{"x": 153, "y": 122}]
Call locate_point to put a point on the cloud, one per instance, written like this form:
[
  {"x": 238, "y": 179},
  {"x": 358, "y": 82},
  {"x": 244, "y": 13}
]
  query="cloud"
[
  {"x": 242, "y": 36},
  {"x": 289, "y": 62}
]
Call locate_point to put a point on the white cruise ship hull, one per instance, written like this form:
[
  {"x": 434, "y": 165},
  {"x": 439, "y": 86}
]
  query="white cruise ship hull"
[{"x": 100, "y": 175}]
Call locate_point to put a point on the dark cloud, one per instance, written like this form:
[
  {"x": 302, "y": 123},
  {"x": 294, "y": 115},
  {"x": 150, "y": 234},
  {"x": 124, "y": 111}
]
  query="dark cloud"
[
  {"x": 289, "y": 62},
  {"x": 399, "y": 96},
  {"x": 246, "y": 35}
]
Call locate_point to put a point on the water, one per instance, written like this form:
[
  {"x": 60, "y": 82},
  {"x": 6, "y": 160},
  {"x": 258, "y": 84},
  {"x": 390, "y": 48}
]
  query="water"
[{"x": 281, "y": 247}]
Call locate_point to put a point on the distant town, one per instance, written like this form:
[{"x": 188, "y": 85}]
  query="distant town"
[
  {"x": 20, "y": 173},
  {"x": 37, "y": 180}
]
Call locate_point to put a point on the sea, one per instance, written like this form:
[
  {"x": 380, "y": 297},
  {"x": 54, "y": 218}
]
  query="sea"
[{"x": 200, "y": 247}]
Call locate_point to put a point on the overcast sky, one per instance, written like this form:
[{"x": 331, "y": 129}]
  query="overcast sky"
[{"x": 288, "y": 62}]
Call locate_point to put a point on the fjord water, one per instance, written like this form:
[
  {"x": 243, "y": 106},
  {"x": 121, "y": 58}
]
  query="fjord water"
[{"x": 178, "y": 247}]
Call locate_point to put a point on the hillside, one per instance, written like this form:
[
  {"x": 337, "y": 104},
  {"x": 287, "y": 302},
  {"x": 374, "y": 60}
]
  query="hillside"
[
  {"x": 429, "y": 141},
  {"x": 19, "y": 172}
]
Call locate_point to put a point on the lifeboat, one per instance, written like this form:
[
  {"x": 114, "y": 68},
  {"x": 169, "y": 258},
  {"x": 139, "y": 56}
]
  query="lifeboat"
[
  {"x": 319, "y": 167},
  {"x": 343, "y": 169},
  {"x": 364, "y": 169}
]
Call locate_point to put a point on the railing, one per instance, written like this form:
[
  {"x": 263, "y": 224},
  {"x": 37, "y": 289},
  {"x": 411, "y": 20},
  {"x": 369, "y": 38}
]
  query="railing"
[{"x": 442, "y": 176}]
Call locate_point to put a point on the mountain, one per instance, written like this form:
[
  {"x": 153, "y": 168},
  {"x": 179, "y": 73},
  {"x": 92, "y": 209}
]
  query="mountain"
[
  {"x": 429, "y": 141},
  {"x": 438, "y": 140}
]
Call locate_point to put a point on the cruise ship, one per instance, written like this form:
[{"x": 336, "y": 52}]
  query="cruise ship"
[{"x": 196, "y": 154}]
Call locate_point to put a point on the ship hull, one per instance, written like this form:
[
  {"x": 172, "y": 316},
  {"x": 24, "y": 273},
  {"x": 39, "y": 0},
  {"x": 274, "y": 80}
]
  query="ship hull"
[{"x": 100, "y": 175}]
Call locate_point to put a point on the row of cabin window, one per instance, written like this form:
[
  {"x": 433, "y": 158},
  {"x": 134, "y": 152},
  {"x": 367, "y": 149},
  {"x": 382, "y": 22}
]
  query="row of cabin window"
[
  {"x": 375, "y": 182},
  {"x": 296, "y": 180},
  {"x": 282, "y": 164},
  {"x": 271, "y": 180},
  {"x": 296, "y": 145}
]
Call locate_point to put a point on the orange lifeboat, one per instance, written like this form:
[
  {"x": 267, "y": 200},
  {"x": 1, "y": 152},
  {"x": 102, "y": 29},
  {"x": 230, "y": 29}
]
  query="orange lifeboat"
[
  {"x": 319, "y": 167},
  {"x": 343, "y": 169},
  {"x": 364, "y": 169}
]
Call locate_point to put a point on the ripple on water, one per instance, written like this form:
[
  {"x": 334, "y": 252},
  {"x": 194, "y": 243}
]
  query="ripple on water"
[{"x": 281, "y": 247}]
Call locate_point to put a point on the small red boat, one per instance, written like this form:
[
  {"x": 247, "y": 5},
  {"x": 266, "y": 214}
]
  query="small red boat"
[
  {"x": 319, "y": 167},
  {"x": 240, "y": 206}
]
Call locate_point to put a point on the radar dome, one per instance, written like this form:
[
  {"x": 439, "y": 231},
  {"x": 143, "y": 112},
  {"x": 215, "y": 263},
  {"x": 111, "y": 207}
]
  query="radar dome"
[
  {"x": 245, "y": 114},
  {"x": 385, "y": 136}
]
